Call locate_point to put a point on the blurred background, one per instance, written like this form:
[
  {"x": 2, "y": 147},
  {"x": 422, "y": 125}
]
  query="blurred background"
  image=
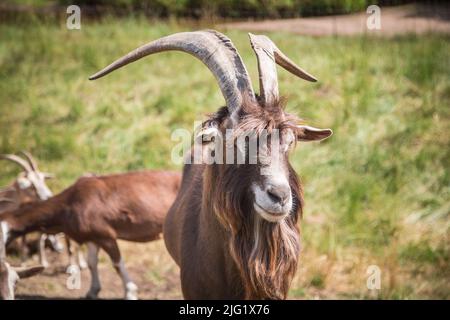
[{"x": 377, "y": 192}]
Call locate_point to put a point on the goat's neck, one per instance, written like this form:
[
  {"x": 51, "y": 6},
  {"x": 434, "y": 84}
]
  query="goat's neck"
[
  {"x": 213, "y": 232},
  {"x": 39, "y": 215},
  {"x": 210, "y": 225}
]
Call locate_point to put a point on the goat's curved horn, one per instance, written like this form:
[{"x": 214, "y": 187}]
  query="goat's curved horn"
[
  {"x": 48, "y": 175},
  {"x": 18, "y": 160},
  {"x": 214, "y": 49},
  {"x": 268, "y": 54},
  {"x": 31, "y": 160}
]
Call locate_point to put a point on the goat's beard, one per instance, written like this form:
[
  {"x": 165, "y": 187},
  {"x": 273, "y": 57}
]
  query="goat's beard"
[
  {"x": 272, "y": 262},
  {"x": 266, "y": 254}
]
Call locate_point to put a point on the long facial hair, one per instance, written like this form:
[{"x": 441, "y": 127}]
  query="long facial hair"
[{"x": 265, "y": 253}]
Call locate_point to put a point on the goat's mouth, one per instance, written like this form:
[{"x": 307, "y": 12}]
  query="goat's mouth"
[{"x": 270, "y": 216}]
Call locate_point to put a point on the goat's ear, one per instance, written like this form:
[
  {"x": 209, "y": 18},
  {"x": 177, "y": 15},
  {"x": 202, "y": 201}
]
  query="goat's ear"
[
  {"x": 26, "y": 272},
  {"x": 307, "y": 133},
  {"x": 48, "y": 175}
]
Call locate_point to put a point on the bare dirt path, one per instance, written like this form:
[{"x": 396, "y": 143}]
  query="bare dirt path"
[
  {"x": 149, "y": 265},
  {"x": 394, "y": 21}
]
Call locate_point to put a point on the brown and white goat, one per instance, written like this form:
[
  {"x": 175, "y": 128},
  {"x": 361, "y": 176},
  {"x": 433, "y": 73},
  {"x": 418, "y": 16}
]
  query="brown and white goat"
[
  {"x": 98, "y": 210},
  {"x": 29, "y": 186},
  {"x": 233, "y": 227}
]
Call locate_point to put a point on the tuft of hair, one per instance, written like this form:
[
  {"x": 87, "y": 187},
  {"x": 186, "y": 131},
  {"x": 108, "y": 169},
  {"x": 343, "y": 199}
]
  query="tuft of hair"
[{"x": 254, "y": 117}]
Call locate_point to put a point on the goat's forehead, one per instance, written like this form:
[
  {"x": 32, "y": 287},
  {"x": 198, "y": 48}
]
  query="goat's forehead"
[{"x": 279, "y": 134}]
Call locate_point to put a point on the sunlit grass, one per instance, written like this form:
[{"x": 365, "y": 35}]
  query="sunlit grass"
[{"x": 377, "y": 192}]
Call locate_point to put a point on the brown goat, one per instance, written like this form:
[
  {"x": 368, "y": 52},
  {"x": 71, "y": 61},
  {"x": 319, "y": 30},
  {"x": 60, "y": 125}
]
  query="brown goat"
[
  {"x": 98, "y": 210},
  {"x": 233, "y": 226}
]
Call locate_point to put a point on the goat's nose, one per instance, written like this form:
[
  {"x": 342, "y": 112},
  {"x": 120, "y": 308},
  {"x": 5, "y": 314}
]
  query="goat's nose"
[{"x": 279, "y": 194}]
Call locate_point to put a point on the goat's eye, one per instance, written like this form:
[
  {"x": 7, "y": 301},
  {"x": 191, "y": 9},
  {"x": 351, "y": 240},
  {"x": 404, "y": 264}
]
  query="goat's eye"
[
  {"x": 290, "y": 139},
  {"x": 289, "y": 144}
]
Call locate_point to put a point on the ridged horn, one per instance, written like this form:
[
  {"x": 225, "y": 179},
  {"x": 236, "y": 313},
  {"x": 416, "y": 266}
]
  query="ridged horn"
[
  {"x": 268, "y": 55},
  {"x": 12, "y": 157},
  {"x": 214, "y": 49},
  {"x": 31, "y": 160}
]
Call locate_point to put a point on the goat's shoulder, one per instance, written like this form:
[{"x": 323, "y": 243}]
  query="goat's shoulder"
[
  {"x": 88, "y": 182},
  {"x": 85, "y": 187},
  {"x": 160, "y": 179}
]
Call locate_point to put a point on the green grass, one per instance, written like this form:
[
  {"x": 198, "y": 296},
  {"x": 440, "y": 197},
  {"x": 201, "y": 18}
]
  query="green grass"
[{"x": 377, "y": 192}]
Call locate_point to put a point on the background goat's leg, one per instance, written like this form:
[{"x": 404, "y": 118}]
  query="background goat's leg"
[
  {"x": 111, "y": 247},
  {"x": 93, "y": 267},
  {"x": 42, "y": 256},
  {"x": 81, "y": 261},
  {"x": 69, "y": 251},
  {"x": 24, "y": 252},
  {"x": 55, "y": 243}
]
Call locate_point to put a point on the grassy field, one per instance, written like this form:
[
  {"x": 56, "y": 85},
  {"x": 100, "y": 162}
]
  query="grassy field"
[{"x": 377, "y": 192}]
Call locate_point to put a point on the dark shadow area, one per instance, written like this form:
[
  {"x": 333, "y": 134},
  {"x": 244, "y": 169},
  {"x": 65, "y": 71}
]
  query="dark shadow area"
[
  {"x": 41, "y": 297},
  {"x": 432, "y": 10}
]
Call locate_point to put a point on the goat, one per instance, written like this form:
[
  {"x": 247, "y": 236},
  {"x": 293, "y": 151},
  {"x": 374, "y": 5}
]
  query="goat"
[
  {"x": 29, "y": 186},
  {"x": 233, "y": 227},
  {"x": 98, "y": 210},
  {"x": 10, "y": 275}
]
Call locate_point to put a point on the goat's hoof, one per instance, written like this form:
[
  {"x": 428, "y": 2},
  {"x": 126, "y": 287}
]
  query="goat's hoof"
[
  {"x": 92, "y": 294},
  {"x": 45, "y": 264},
  {"x": 131, "y": 291},
  {"x": 131, "y": 296},
  {"x": 83, "y": 264}
]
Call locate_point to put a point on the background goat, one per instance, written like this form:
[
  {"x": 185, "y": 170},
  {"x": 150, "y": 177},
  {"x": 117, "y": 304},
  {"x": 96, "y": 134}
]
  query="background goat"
[
  {"x": 98, "y": 210},
  {"x": 29, "y": 186},
  {"x": 233, "y": 230}
]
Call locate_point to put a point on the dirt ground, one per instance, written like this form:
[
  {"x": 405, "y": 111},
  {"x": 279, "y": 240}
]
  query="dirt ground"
[
  {"x": 416, "y": 19},
  {"x": 149, "y": 265}
]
